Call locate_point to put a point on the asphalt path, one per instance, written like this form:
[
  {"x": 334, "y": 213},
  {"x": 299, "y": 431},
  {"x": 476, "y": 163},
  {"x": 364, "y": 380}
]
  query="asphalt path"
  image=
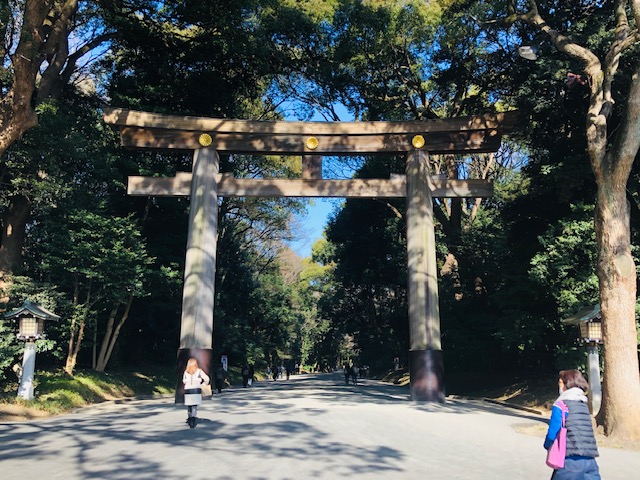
[{"x": 312, "y": 426}]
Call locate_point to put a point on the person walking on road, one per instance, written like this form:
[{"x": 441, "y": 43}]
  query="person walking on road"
[
  {"x": 354, "y": 374},
  {"x": 193, "y": 378},
  {"x": 245, "y": 375},
  {"x": 220, "y": 373},
  {"x": 582, "y": 449}
]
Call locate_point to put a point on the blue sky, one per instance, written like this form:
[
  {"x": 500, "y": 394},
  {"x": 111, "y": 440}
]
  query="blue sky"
[{"x": 311, "y": 226}]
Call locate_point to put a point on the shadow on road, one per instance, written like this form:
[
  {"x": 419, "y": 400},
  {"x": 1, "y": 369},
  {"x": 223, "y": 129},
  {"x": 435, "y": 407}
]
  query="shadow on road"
[
  {"x": 333, "y": 389},
  {"x": 91, "y": 443}
]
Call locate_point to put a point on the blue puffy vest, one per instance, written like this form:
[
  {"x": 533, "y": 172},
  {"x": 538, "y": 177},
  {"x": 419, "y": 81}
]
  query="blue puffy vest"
[{"x": 580, "y": 438}]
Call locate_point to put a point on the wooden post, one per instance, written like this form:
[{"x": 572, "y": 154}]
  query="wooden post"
[
  {"x": 425, "y": 354},
  {"x": 311, "y": 167},
  {"x": 196, "y": 331}
]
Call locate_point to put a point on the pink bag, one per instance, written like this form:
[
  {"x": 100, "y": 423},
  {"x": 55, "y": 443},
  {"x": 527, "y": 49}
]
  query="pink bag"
[{"x": 558, "y": 450}]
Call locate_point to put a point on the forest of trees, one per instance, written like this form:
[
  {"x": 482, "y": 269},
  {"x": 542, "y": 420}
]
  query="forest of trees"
[{"x": 561, "y": 231}]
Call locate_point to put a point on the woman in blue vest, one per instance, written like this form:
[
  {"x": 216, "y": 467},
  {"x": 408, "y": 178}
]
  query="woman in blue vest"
[{"x": 582, "y": 450}]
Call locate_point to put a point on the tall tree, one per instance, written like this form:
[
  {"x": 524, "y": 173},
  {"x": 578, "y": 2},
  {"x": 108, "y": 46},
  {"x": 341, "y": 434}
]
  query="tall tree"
[
  {"x": 612, "y": 142},
  {"x": 101, "y": 262},
  {"x": 39, "y": 59}
]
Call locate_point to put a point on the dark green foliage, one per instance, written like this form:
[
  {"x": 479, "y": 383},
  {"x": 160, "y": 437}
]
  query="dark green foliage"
[
  {"x": 255, "y": 320},
  {"x": 212, "y": 53},
  {"x": 10, "y": 349},
  {"x": 368, "y": 300},
  {"x": 70, "y": 147}
]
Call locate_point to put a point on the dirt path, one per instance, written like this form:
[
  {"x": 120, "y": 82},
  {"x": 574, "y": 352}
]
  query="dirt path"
[{"x": 19, "y": 413}]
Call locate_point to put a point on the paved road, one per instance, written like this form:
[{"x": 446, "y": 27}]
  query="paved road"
[{"x": 312, "y": 426}]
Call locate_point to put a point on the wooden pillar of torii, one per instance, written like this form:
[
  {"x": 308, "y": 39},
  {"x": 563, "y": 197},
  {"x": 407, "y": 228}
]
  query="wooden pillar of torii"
[{"x": 415, "y": 139}]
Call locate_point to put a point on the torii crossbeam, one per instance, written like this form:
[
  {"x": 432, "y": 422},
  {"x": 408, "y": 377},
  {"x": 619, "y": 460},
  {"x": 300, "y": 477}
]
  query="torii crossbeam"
[{"x": 415, "y": 139}]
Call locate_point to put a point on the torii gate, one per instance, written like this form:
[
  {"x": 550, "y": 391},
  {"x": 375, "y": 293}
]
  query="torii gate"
[{"x": 416, "y": 139}]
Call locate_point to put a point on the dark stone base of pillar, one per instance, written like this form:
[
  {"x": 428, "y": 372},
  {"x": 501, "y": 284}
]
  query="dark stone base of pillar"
[
  {"x": 204, "y": 356},
  {"x": 426, "y": 370}
]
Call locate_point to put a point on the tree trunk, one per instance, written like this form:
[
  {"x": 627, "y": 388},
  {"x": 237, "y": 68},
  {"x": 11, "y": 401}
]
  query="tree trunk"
[
  {"x": 17, "y": 114},
  {"x": 13, "y": 233},
  {"x": 101, "y": 363},
  {"x": 80, "y": 319},
  {"x": 617, "y": 277},
  {"x": 70, "y": 364},
  {"x": 15, "y": 120},
  {"x": 94, "y": 347},
  {"x": 74, "y": 347},
  {"x": 111, "y": 336}
]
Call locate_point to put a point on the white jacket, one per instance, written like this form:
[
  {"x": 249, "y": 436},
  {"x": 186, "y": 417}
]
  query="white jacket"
[{"x": 195, "y": 380}]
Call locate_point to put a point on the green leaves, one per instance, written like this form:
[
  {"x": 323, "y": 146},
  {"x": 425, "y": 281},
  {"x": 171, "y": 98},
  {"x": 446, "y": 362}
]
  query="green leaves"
[
  {"x": 98, "y": 254},
  {"x": 566, "y": 266}
]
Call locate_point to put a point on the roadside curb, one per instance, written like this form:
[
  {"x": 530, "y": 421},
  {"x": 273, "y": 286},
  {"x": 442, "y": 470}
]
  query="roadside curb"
[
  {"x": 120, "y": 401},
  {"x": 511, "y": 405},
  {"x": 497, "y": 402}
]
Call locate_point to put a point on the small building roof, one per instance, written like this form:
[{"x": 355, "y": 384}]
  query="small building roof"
[
  {"x": 585, "y": 314},
  {"x": 35, "y": 309}
]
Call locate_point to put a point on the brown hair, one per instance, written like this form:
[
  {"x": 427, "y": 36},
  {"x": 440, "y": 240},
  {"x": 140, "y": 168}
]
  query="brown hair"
[
  {"x": 192, "y": 366},
  {"x": 573, "y": 378}
]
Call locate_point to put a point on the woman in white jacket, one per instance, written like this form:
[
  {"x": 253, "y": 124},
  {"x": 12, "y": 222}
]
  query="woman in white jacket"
[{"x": 192, "y": 379}]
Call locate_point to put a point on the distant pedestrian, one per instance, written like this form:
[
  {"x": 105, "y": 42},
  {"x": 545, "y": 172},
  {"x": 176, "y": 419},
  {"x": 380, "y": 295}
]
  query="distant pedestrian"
[
  {"x": 219, "y": 377},
  {"x": 347, "y": 373},
  {"x": 354, "y": 374},
  {"x": 245, "y": 375},
  {"x": 193, "y": 378},
  {"x": 275, "y": 373},
  {"x": 251, "y": 374},
  {"x": 582, "y": 450},
  {"x": 288, "y": 371}
]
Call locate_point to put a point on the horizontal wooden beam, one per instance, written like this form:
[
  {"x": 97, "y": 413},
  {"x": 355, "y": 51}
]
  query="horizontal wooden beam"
[
  {"x": 123, "y": 117},
  {"x": 294, "y": 144},
  {"x": 229, "y": 186}
]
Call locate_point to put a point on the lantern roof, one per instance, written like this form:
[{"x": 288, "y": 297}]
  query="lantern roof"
[
  {"x": 585, "y": 314},
  {"x": 35, "y": 309}
]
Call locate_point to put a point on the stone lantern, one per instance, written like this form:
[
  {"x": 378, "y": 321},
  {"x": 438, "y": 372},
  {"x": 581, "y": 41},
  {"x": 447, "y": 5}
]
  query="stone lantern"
[
  {"x": 589, "y": 320},
  {"x": 31, "y": 317}
]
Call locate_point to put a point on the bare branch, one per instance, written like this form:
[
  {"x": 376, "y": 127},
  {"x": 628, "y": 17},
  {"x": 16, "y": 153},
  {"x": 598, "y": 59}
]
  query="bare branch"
[
  {"x": 60, "y": 71},
  {"x": 635, "y": 8},
  {"x": 628, "y": 137},
  {"x": 623, "y": 40},
  {"x": 60, "y": 27}
]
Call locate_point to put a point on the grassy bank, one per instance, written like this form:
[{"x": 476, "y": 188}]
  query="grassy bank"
[{"x": 57, "y": 392}]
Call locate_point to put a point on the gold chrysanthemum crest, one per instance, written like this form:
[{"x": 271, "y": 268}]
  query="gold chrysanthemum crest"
[
  {"x": 312, "y": 143},
  {"x": 205, "y": 140},
  {"x": 417, "y": 141}
]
